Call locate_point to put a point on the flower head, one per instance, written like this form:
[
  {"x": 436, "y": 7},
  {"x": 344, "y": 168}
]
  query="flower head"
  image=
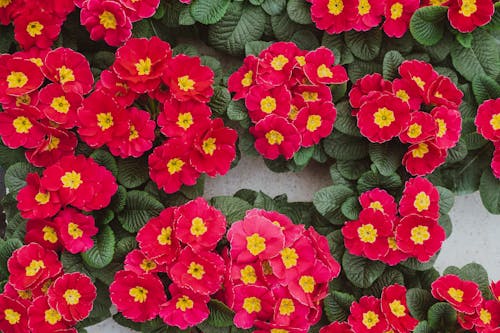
[
  {"x": 420, "y": 197},
  {"x": 463, "y": 295},
  {"x": 185, "y": 309},
  {"x": 13, "y": 315},
  {"x": 43, "y": 318},
  {"x": 393, "y": 304},
  {"x": 467, "y": 15},
  {"x": 320, "y": 69},
  {"x": 34, "y": 201},
  {"x": 397, "y": 16},
  {"x": 75, "y": 230},
  {"x": 366, "y": 316},
  {"x": 423, "y": 158},
  {"x": 488, "y": 119}
]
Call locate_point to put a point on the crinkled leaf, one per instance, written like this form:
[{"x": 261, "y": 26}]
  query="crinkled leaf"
[
  {"x": 416, "y": 265},
  {"x": 101, "y": 254},
  {"x": 446, "y": 200},
  {"x": 305, "y": 39},
  {"x": 442, "y": 315},
  {"x": 303, "y": 156},
  {"x": 274, "y": 7},
  {"x": 15, "y": 176},
  {"x": 389, "y": 277},
  {"x": 392, "y": 61},
  {"x": 124, "y": 246},
  {"x": 345, "y": 122},
  {"x": 362, "y": 272},
  {"x": 344, "y": 147},
  {"x": 331, "y": 198},
  {"x": 371, "y": 180},
  {"x": 220, "y": 314},
  {"x": 352, "y": 170},
  {"x": 359, "y": 68},
  {"x": 132, "y": 172},
  {"x": 337, "y": 306},
  {"x": 364, "y": 45},
  {"x": 255, "y": 47},
  {"x": 105, "y": 159},
  {"x": 336, "y": 43},
  {"x": 336, "y": 244},
  {"x": 139, "y": 208},
  {"x": 299, "y": 11},
  {"x": 351, "y": 208},
  {"x": 386, "y": 156},
  {"x": 6, "y": 248},
  {"x": 419, "y": 301},
  {"x": 232, "y": 207},
  {"x": 445, "y": 222},
  {"x": 283, "y": 27},
  {"x": 427, "y": 24},
  {"x": 484, "y": 88},
  {"x": 489, "y": 189},
  {"x": 209, "y": 11}
]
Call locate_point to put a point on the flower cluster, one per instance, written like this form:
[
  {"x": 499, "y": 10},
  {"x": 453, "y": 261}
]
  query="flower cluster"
[
  {"x": 53, "y": 203},
  {"x": 39, "y": 118},
  {"x": 370, "y": 314},
  {"x": 386, "y": 110},
  {"x": 181, "y": 242},
  {"x": 488, "y": 125},
  {"x": 278, "y": 273},
  {"x": 195, "y": 143},
  {"x": 474, "y": 311},
  {"x": 39, "y": 297},
  {"x": 381, "y": 234},
  {"x": 287, "y": 96},
  {"x": 336, "y": 16}
]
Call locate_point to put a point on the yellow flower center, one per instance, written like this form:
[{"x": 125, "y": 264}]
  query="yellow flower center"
[
  {"x": 403, "y": 95},
  {"x": 147, "y": 265},
  {"x": 438, "y": 94},
  {"x": 247, "y": 79},
  {"x": 71, "y": 180},
  {"x": 335, "y": 7},
  {"x": 184, "y": 303},
  {"x": 495, "y": 122},
  {"x": 364, "y": 7},
  {"x": 324, "y": 71},
  {"x": 37, "y": 61},
  {"x": 420, "y": 151},
  {"x": 72, "y": 296},
  {"x": 370, "y": 319},
  {"x": 307, "y": 283},
  {"x": 196, "y": 270},
  {"x": 310, "y": 96},
  {"x": 65, "y": 75},
  {"x": 185, "y": 83},
  {"x": 60, "y": 104},
  {"x": 42, "y": 198},
  {"x": 256, "y": 244},
  {"x": 313, "y": 122},
  {"x": 442, "y": 127},
  {"x": 392, "y": 243},
  {"x": 418, "y": 80},
  {"x": 105, "y": 120},
  {"x": 289, "y": 257},
  {"x": 287, "y": 307},
  {"x": 456, "y": 294},
  {"x": 420, "y": 234},
  {"x": 274, "y": 137},
  {"x": 12, "y": 316},
  {"x": 301, "y": 60},
  {"x": 185, "y": 120},
  {"x": 23, "y": 100},
  {"x": 485, "y": 316},
  {"x": 252, "y": 304},
  {"x": 133, "y": 133},
  {"x": 279, "y": 62},
  {"x": 34, "y": 267},
  {"x": 107, "y": 20},
  {"x": 175, "y": 165},
  {"x": 383, "y": 117},
  {"x": 53, "y": 143},
  {"x": 422, "y": 201},
  {"x": 367, "y": 233},
  {"x": 198, "y": 227},
  {"x": 266, "y": 268},
  {"x": 49, "y": 234},
  {"x": 248, "y": 275},
  {"x": 468, "y": 8},
  {"x": 396, "y": 10},
  {"x": 376, "y": 205},
  {"x": 209, "y": 146},
  {"x": 268, "y": 104},
  {"x": 294, "y": 111},
  {"x": 22, "y": 125},
  {"x": 5, "y": 3},
  {"x": 397, "y": 308},
  {"x": 279, "y": 330},
  {"x": 139, "y": 294},
  {"x": 414, "y": 130},
  {"x": 164, "y": 238},
  {"x": 74, "y": 231},
  {"x": 34, "y": 28},
  {"x": 25, "y": 294},
  {"x": 143, "y": 67},
  {"x": 16, "y": 80},
  {"x": 437, "y": 2},
  {"x": 52, "y": 316}
]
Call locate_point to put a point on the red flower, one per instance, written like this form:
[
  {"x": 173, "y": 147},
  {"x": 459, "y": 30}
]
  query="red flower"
[
  {"x": 185, "y": 308},
  {"x": 407, "y": 92},
  {"x": 420, "y": 197},
  {"x": 43, "y": 232},
  {"x": 291, "y": 231},
  {"x": 57, "y": 143},
  {"x": 183, "y": 119},
  {"x": 36, "y": 28},
  {"x": 137, "y": 262},
  {"x": 467, "y": 15},
  {"x": 487, "y": 315},
  {"x": 20, "y": 128},
  {"x": 70, "y": 69},
  {"x": 366, "y": 316},
  {"x": 118, "y": 89},
  {"x": 323, "y": 254},
  {"x": 397, "y": 16},
  {"x": 25, "y": 297},
  {"x": 76, "y": 230},
  {"x": 378, "y": 199},
  {"x": 369, "y": 14},
  {"x": 384, "y": 118},
  {"x": 18, "y": 76},
  {"x": 140, "y": 135},
  {"x": 395, "y": 255},
  {"x": 419, "y": 236},
  {"x": 188, "y": 79},
  {"x": 333, "y": 16},
  {"x": 288, "y": 312},
  {"x": 31, "y": 265},
  {"x": 33, "y": 54},
  {"x": 137, "y": 297},
  {"x": 243, "y": 79},
  {"x": 311, "y": 286},
  {"x": 263, "y": 101},
  {"x": 13, "y": 316},
  {"x": 394, "y": 308},
  {"x": 275, "y": 136},
  {"x": 199, "y": 225},
  {"x": 255, "y": 237},
  {"x": 449, "y": 127},
  {"x": 7, "y": 11},
  {"x": 336, "y": 327},
  {"x": 495, "y": 289},
  {"x": 315, "y": 122},
  {"x": 276, "y": 64},
  {"x": 58, "y": 106},
  {"x": 251, "y": 303},
  {"x": 157, "y": 240},
  {"x": 368, "y": 235},
  {"x": 360, "y": 91},
  {"x": 421, "y": 127},
  {"x": 43, "y": 318},
  {"x": 293, "y": 260},
  {"x": 463, "y": 295},
  {"x": 309, "y": 94},
  {"x": 495, "y": 162},
  {"x": 423, "y": 158},
  {"x": 488, "y": 119},
  {"x": 106, "y": 20},
  {"x": 137, "y": 10},
  {"x": 420, "y": 74},
  {"x": 34, "y": 201},
  {"x": 140, "y": 62},
  {"x": 444, "y": 92},
  {"x": 169, "y": 166},
  {"x": 19, "y": 102}
]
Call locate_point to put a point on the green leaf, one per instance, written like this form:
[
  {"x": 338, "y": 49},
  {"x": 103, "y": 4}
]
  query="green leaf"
[
  {"x": 7, "y": 39},
  {"x": 124, "y": 246},
  {"x": 105, "y": 159},
  {"x": 442, "y": 315},
  {"x": 446, "y": 200},
  {"x": 351, "y": 208},
  {"x": 392, "y": 61},
  {"x": 419, "y": 301},
  {"x": 413, "y": 263},
  {"x": 364, "y": 45},
  {"x": 232, "y": 207},
  {"x": 118, "y": 200},
  {"x": 352, "y": 170},
  {"x": 304, "y": 155},
  {"x": 371, "y": 180},
  {"x": 362, "y": 272},
  {"x": 457, "y": 153},
  {"x": 101, "y": 254},
  {"x": 337, "y": 306},
  {"x": 331, "y": 198},
  {"x": 132, "y": 172},
  {"x": 139, "y": 208},
  {"x": 283, "y": 27},
  {"x": 423, "y": 327},
  {"x": 15, "y": 176},
  {"x": 427, "y": 24},
  {"x": 220, "y": 100},
  {"x": 6, "y": 248},
  {"x": 336, "y": 43},
  {"x": 241, "y": 24},
  {"x": 236, "y": 110},
  {"x": 305, "y": 40},
  {"x": 273, "y": 7},
  {"x": 336, "y": 244},
  {"x": 344, "y": 147},
  {"x": 484, "y": 88},
  {"x": 489, "y": 189},
  {"x": 465, "y": 40},
  {"x": 10, "y": 156},
  {"x": 209, "y": 11},
  {"x": 220, "y": 314},
  {"x": 337, "y": 177},
  {"x": 346, "y": 122},
  {"x": 16, "y": 227},
  {"x": 474, "y": 140},
  {"x": 256, "y": 47},
  {"x": 386, "y": 156},
  {"x": 389, "y": 277},
  {"x": 445, "y": 222},
  {"x": 359, "y": 68},
  {"x": 299, "y": 12},
  {"x": 74, "y": 263},
  {"x": 185, "y": 17},
  {"x": 122, "y": 321}
]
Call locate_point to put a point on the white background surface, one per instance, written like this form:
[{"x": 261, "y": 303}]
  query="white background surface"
[{"x": 475, "y": 237}]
